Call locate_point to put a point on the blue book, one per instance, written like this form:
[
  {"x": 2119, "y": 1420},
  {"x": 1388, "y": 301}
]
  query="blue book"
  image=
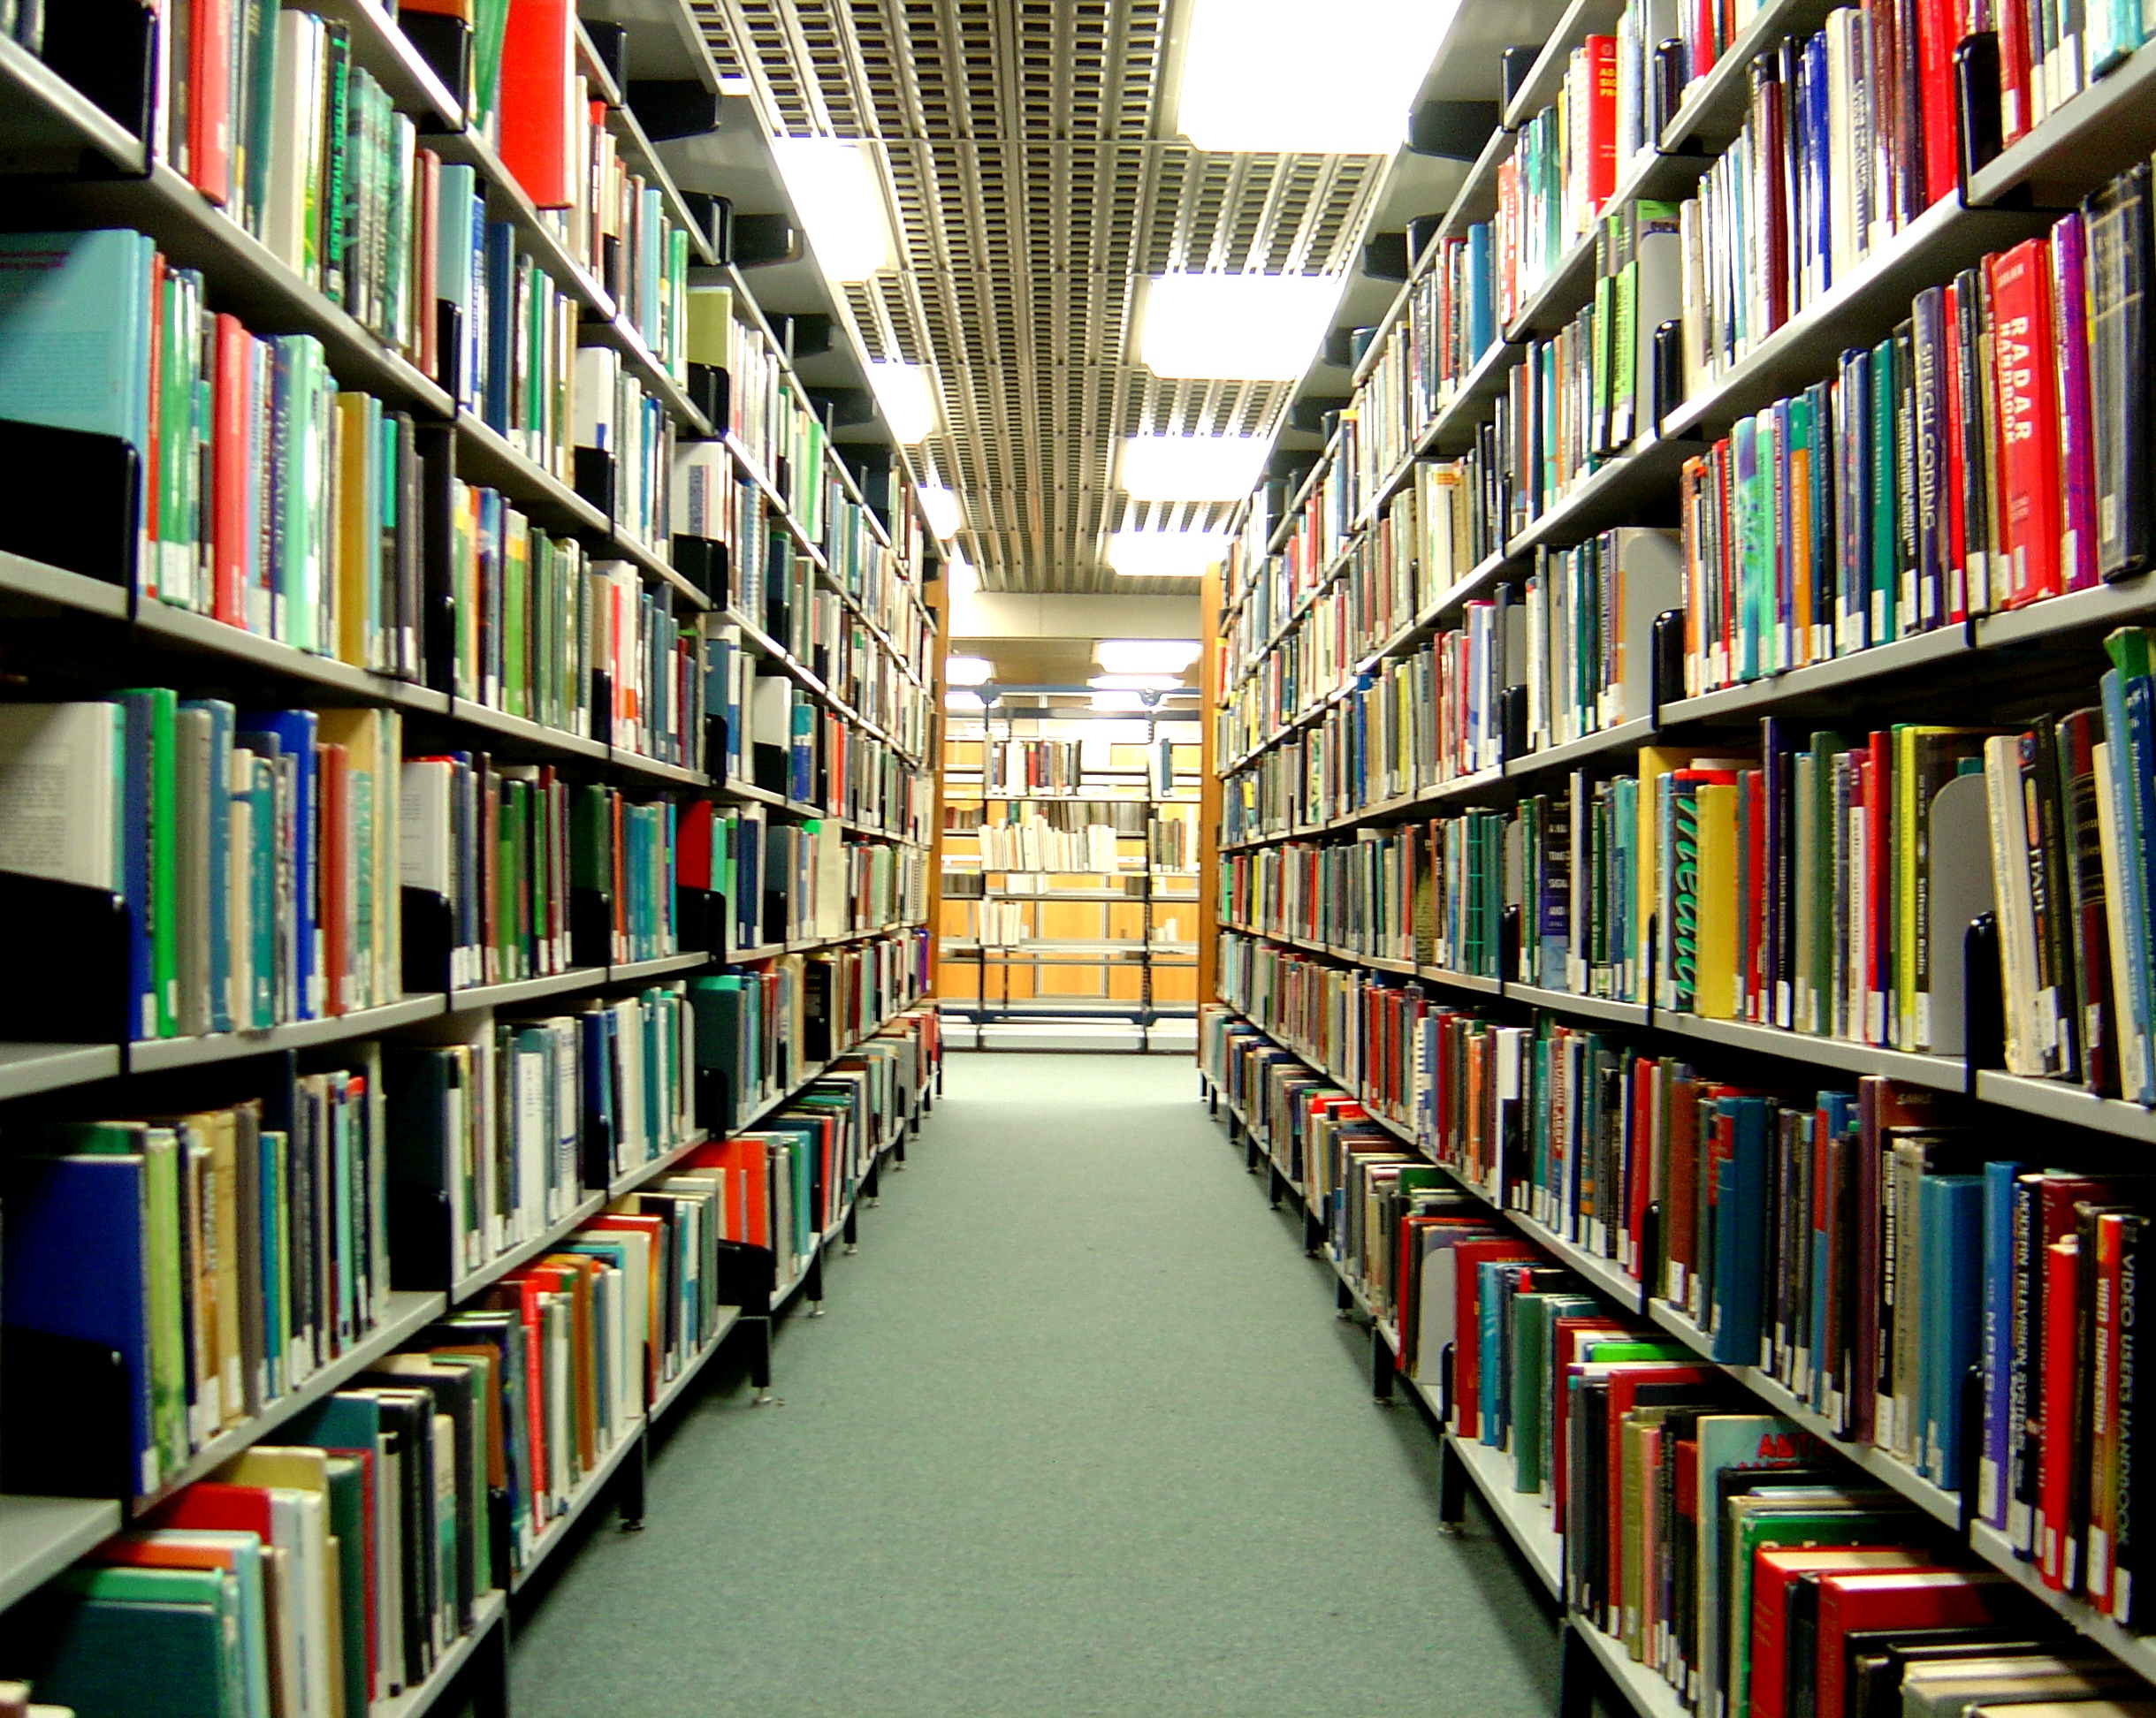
[
  {"x": 498, "y": 270},
  {"x": 1482, "y": 284},
  {"x": 294, "y": 731},
  {"x": 135, "y": 825},
  {"x": 1491, "y": 1294},
  {"x": 1952, "y": 1209},
  {"x": 801, "y": 776},
  {"x": 75, "y": 324},
  {"x": 1740, "y": 1241},
  {"x": 1996, "y": 1342},
  {"x": 1819, "y": 172},
  {"x": 76, "y": 1263}
]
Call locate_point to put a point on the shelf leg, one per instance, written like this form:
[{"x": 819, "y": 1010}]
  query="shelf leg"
[
  {"x": 870, "y": 1183},
  {"x": 1250, "y": 1150},
  {"x": 1343, "y": 1301},
  {"x": 1313, "y": 1235},
  {"x": 632, "y": 1482},
  {"x": 759, "y": 1360},
  {"x": 1451, "y": 1488},
  {"x": 1578, "y": 1675},
  {"x": 852, "y": 1232},
  {"x": 812, "y": 1291},
  {"x": 898, "y": 1153},
  {"x": 1381, "y": 1365},
  {"x": 1276, "y": 1184}
]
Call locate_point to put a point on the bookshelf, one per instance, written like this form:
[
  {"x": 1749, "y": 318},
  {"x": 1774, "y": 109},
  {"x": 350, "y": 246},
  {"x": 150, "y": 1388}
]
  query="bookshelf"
[
  {"x": 1069, "y": 868},
  {"x": 442, "y": 695},
  {"x": 1436, "y": 937}
]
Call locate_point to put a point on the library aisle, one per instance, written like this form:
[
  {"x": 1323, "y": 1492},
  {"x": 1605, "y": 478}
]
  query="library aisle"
[{"x": 1077, "y": 1436}]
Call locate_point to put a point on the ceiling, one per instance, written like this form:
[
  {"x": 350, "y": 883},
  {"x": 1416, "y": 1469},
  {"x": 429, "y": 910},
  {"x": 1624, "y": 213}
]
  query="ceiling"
[{"x": 1031, "y": 163}]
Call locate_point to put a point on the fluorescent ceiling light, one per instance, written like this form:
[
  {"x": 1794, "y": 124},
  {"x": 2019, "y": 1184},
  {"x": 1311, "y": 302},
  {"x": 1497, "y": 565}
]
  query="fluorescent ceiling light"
[
  {"x": 940, "y": 507},
  {"x": 838, "y": 194},
  {"x": 903, "y": 394},
  {"x": 963, "y": 700},
  {"x": 959, "y": 578},
  {"x": 1252, "y": 327},
  {"x": 1136, "y": 683},
  {"x": 1353, "y": 67},
  {"x": 968, "y": 671},
  {"x": 1145, "y": 656},
  {"x": 1191, "y": 467},
  {"x": 1117, "y": 701},
  {"x": 1164, "y": 554}
]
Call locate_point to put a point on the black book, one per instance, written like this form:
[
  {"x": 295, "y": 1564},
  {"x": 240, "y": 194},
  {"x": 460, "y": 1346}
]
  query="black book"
[{"x": 2117, "y": 222}]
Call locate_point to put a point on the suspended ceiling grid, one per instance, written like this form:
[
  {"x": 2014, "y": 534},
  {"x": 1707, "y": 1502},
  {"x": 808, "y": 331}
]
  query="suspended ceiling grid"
[{"x": 1035, "y": 176}]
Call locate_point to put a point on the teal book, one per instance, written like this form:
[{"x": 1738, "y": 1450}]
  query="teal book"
[
  {"x": 160, "y": 1642},
  {"x": 75, "y": 328},
  {"x": 1883, "y": 539},
  {"x": 1950, "y": 1316}
]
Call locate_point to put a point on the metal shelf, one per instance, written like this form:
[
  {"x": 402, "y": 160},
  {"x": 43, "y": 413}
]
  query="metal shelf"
[{"x": 41, "y": 1536}]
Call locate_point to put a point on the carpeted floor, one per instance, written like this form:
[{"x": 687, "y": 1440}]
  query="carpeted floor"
[{"x": 1078, "y": 1434}]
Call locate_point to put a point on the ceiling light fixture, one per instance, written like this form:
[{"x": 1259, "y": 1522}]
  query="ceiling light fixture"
[
  {"x": 940, "y": 507},
  {"x": 1164, "y": 554},
  {"x": 1251, "y": 327},
  {"x": 1191, "y": 467},
  {"x": 968, "y": 671},
  {"x": 838, "y": 194},
  {"x": 963, "y": 701},
  {"x": 1145, "y": 656},
  {"x": 1358, "y": 64},
  {"x": 1117, "y": 701},
  {"x": 905, "y": 400},
  {"x": 1136, "y": 683}
]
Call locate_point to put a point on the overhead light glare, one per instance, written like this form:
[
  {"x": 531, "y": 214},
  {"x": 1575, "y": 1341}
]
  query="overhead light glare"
[
  {"x": 1251, "y": 327},
  {"x": 1191, "y": 467},
  {"x": 940, "y": 507},
  {"x": 968, "y": 671},
  {"x": 1145, "y": 656},
  {"x": 1357, "y": 65},
  {"x": 904, "y": 397},
  {"x": 1117, "y": 701},
  {"x": 1136, "y": 683},
  {"x": 964, "y": 702},
  {"x": 1165, "y": 554},
  {"x": 959, "y": 578},
  {"x": 838, "y": 194}
]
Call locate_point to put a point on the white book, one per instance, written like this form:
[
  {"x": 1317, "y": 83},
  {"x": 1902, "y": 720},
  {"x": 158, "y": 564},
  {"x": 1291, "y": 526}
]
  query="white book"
[{"x": 61, "y": 766}]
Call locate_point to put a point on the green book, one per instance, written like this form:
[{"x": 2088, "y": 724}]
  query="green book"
[
  {"x": 1884, "y": 534},
  {"x": 1532, "y": 1314},
  {"x": 151, "y": 1643}
]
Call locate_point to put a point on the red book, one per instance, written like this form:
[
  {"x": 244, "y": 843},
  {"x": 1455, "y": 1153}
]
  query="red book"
[
  {"x": 1626, "y": 1379},
  {"x": 1937, "y": 32},
  {"x": 208, "y": 104},
  {"x": 2013, "y": 71},
  {"x": 224, "y": 1509},
  {"x": 1601, "y": 51},
  {"x": 1468, "y": 1259},
  {"x": 1871, "y": 1600},
  {"x": 231, "y": 541},
  {"x": 2104, "y": 1410},
  {"x": 2056, "y": 1528},
  {"x": 748, "y": 1204},
  {"x": 536, "y": 100},
  {"x": 2030, "y": 479},
  {"x": 1775, "y": 1573}
]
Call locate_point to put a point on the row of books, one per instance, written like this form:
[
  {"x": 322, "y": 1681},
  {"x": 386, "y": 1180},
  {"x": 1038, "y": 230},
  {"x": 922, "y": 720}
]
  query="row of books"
[
  {"x": 1849, "y": 138},
  {"x": 1447, "y": 324},
  {"x": 335, "y": 1567},
  {"x": 1431, "y": 534},
  {"x": 774, "y": 882},
  {"x": 1986, "y": 455},
  {"x": 763, "y": 1028},
  {"x": 1510, "y": 1344}
]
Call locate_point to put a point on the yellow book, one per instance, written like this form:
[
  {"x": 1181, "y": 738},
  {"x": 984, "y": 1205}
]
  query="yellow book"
[
  {"x": 1714, "y": 989},
  {"x": 711, "y": 319}
]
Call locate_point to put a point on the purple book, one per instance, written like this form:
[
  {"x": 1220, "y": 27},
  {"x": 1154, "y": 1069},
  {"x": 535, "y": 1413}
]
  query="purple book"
[{"x": 2070, "y": 311}]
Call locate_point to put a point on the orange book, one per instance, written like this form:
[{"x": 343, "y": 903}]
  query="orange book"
[{"x": 748, "y": 1202}]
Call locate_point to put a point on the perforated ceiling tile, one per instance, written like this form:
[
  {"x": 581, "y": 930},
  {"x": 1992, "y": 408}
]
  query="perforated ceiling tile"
[{"x": 1036, "y": 179}]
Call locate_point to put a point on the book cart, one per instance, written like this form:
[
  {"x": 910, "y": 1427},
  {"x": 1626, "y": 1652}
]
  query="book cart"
[
  {"x": 88, "y": 138},
  {"x": 1285, "y": 667}
]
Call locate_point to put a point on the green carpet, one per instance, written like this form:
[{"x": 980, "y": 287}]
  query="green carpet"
[{"x": 1078, "y": 1434}]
